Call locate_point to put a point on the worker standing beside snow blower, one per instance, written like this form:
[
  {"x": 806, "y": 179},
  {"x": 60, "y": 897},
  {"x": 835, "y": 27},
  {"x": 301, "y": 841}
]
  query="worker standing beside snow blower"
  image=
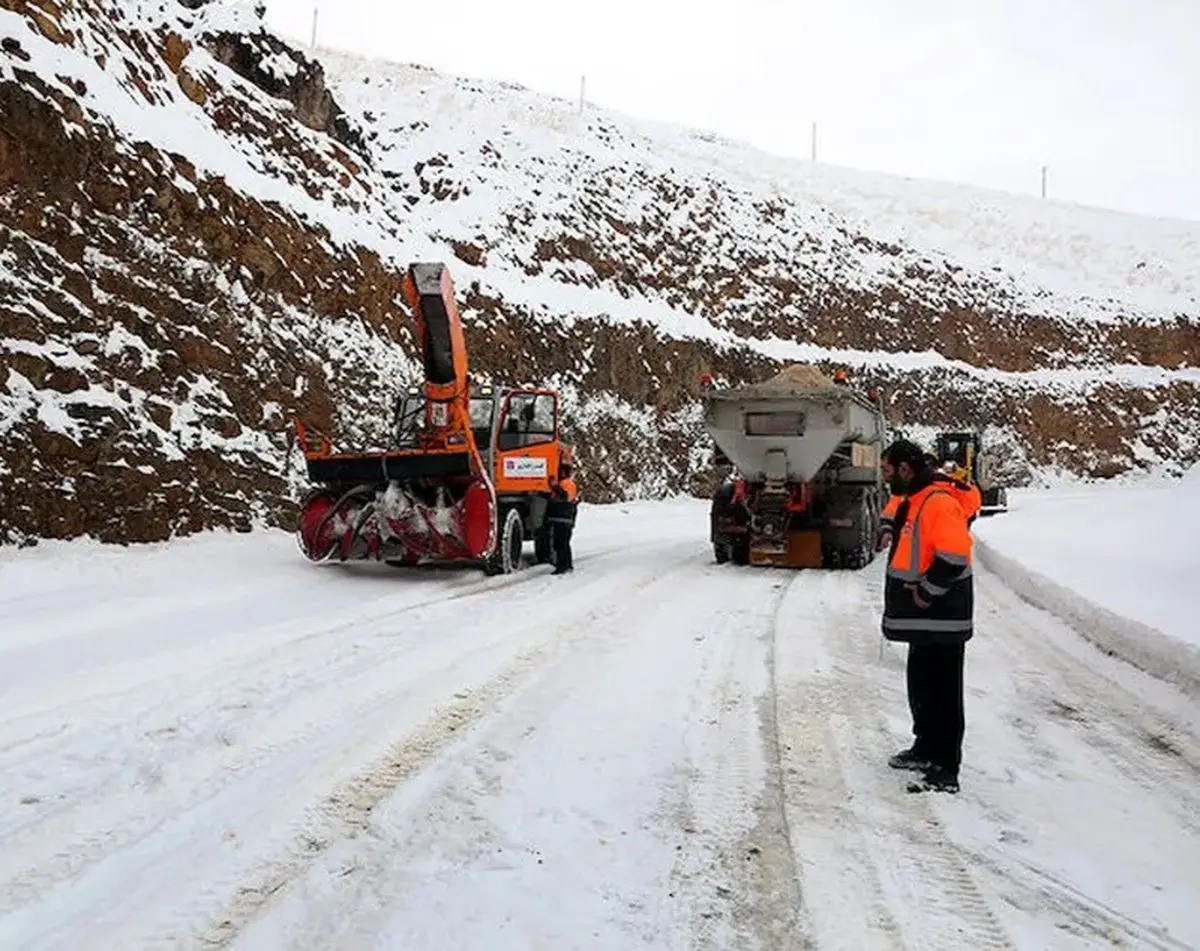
[{"x": 560, "y": 513}]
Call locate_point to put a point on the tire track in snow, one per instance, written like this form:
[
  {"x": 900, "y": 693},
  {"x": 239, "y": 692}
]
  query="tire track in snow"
[
  {"x": 1088, "y": 917},
  {"x": 921, "y": 895},
  {"x": 141, "y": 724},
  {"x": 758, "y": 897},
  {"x": 840, "y": 885},
  {"x": 141, "y": 731},
  {"x": 1145, "y": 744},
  {"x": 468, "y": 836},
  {"x": 279, "y": 637},
  {"x": 164, "y": 809},
  {"x": 346, "y": 813},
  {"x": 1096, "y": 726}
]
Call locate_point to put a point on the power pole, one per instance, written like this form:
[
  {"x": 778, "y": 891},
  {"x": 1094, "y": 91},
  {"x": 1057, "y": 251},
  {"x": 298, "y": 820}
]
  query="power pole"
[
  {"x": 582, "y": 92},
  {"x": 1044, "y": 181},
  {"x": 316, "y": 11},
  {"x": 814, "y": 141}
]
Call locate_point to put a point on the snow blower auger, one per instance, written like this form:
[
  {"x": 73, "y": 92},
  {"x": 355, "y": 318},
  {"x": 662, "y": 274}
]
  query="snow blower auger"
[{"x": 469, "y": 478}]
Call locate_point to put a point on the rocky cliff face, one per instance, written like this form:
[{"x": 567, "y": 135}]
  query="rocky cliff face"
[{"x": 202, "y": 232}]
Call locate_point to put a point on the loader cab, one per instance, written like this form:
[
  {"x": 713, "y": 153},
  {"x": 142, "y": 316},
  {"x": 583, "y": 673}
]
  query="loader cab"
[
  {"x": 410, "y": 415},
  {"x": 962, "y": 447}
]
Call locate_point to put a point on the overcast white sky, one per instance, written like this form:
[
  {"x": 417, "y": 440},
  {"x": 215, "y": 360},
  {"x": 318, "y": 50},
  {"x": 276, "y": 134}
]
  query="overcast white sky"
[{"x": 1104, "y": 92}]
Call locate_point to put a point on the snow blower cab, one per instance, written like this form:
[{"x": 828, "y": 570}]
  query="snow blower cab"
[{"x": 468, "y": 477}]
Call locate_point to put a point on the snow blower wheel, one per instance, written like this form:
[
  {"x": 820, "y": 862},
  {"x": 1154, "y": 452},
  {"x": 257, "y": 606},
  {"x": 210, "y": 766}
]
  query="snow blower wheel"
[{"x": 509, "y": 545}]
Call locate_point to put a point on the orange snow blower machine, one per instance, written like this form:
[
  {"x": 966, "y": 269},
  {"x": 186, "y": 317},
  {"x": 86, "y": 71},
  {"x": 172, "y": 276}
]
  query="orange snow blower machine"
[{"x": 469, "y": 478}]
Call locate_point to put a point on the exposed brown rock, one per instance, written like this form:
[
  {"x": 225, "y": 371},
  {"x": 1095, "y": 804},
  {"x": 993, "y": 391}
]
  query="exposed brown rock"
[
  {"x": 305, "y": 89},
  {"x": 193, "y": 87},
  {"x": 175, "y": 51}
]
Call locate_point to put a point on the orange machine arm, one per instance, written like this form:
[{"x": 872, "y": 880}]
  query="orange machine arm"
[{"x": 430, "y": 295}]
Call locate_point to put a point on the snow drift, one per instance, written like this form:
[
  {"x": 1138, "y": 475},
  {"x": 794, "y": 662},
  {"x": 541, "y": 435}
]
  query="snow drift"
[
  {"x": 202, "y": 231},
  {"x": 1116, "y": 563}
]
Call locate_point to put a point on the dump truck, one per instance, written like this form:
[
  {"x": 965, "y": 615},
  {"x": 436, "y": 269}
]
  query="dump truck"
[
  {"x": 973, "y": 465},
  {"x": 805, "y": 487},
  {"x": 468, "y": 479}
]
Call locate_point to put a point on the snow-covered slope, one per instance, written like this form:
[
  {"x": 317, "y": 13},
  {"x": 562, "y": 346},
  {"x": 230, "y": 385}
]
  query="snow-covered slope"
[{"x": 202, "y": 231}]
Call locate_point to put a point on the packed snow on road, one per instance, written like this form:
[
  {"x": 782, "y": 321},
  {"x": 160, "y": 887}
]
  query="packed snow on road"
[{"x": 213, "y": 744}]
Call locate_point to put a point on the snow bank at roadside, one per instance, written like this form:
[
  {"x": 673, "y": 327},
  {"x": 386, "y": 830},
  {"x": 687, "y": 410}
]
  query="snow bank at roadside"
[{"x": 1121, "y": 564}]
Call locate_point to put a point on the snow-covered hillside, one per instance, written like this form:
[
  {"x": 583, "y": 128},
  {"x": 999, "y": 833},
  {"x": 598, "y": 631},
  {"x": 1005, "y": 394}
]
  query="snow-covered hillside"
[{"x": 201, "y": 232}]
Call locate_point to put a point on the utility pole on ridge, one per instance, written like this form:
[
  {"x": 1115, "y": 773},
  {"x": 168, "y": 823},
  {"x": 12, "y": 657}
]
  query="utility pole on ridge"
[{"x": 316, "y": 11}]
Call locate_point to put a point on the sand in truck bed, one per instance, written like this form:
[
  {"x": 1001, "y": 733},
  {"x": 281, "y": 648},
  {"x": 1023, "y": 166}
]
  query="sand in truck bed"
[{"x": 792, "y": 379}]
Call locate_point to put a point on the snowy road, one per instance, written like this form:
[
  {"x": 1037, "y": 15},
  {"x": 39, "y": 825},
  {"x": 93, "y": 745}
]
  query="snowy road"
[{"x": 212, "y": 745}]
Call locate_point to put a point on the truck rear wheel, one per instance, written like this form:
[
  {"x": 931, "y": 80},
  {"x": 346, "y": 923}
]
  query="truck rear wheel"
[{"x": 863, "y": 551}]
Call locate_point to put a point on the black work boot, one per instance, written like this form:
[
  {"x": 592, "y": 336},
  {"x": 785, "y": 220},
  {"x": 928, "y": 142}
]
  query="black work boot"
[
  {"x": 910, "y": 758},
  {"x": 936, "y": 779}
]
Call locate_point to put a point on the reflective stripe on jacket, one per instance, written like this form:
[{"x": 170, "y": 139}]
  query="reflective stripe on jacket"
[{"x": 931, "y": 552}]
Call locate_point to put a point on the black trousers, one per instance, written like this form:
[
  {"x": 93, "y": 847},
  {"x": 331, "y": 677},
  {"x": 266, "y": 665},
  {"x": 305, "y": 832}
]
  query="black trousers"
[
  {"x": 560, "y": 538},
  {"x": 935, "y": 699}
]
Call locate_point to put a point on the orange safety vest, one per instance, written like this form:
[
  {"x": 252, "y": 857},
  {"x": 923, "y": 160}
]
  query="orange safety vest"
[
  {"x": 931, "y": 555},
  {"x": 568, "y": 486}
]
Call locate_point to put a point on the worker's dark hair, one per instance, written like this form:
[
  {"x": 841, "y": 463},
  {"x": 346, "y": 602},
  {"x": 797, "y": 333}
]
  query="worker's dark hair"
[{"x": 904, "y": 450}]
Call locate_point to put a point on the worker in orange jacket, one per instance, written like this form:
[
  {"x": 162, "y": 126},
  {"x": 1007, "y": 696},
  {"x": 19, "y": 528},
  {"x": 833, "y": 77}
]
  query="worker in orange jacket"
[
  {"x": 560, "y": 513},
  {"x": 929, "y": 604}
]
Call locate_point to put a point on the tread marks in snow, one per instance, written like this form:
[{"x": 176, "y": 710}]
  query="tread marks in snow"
[
  {"x": 346, "y": 814},
  {"x": 1112, "y": 720},
  {"x": 838, "y": 780},
  {"x": 750, "y": 871},
  {"x": 298, "y": 704},
  {"x": 86, "y": 823}
]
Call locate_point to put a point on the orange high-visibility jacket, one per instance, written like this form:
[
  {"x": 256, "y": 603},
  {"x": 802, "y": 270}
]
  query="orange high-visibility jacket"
[
  {"x": 932, "y": 555},
  {"x": 968, "y": 496},
  {"x": 569, "y": 487}
]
